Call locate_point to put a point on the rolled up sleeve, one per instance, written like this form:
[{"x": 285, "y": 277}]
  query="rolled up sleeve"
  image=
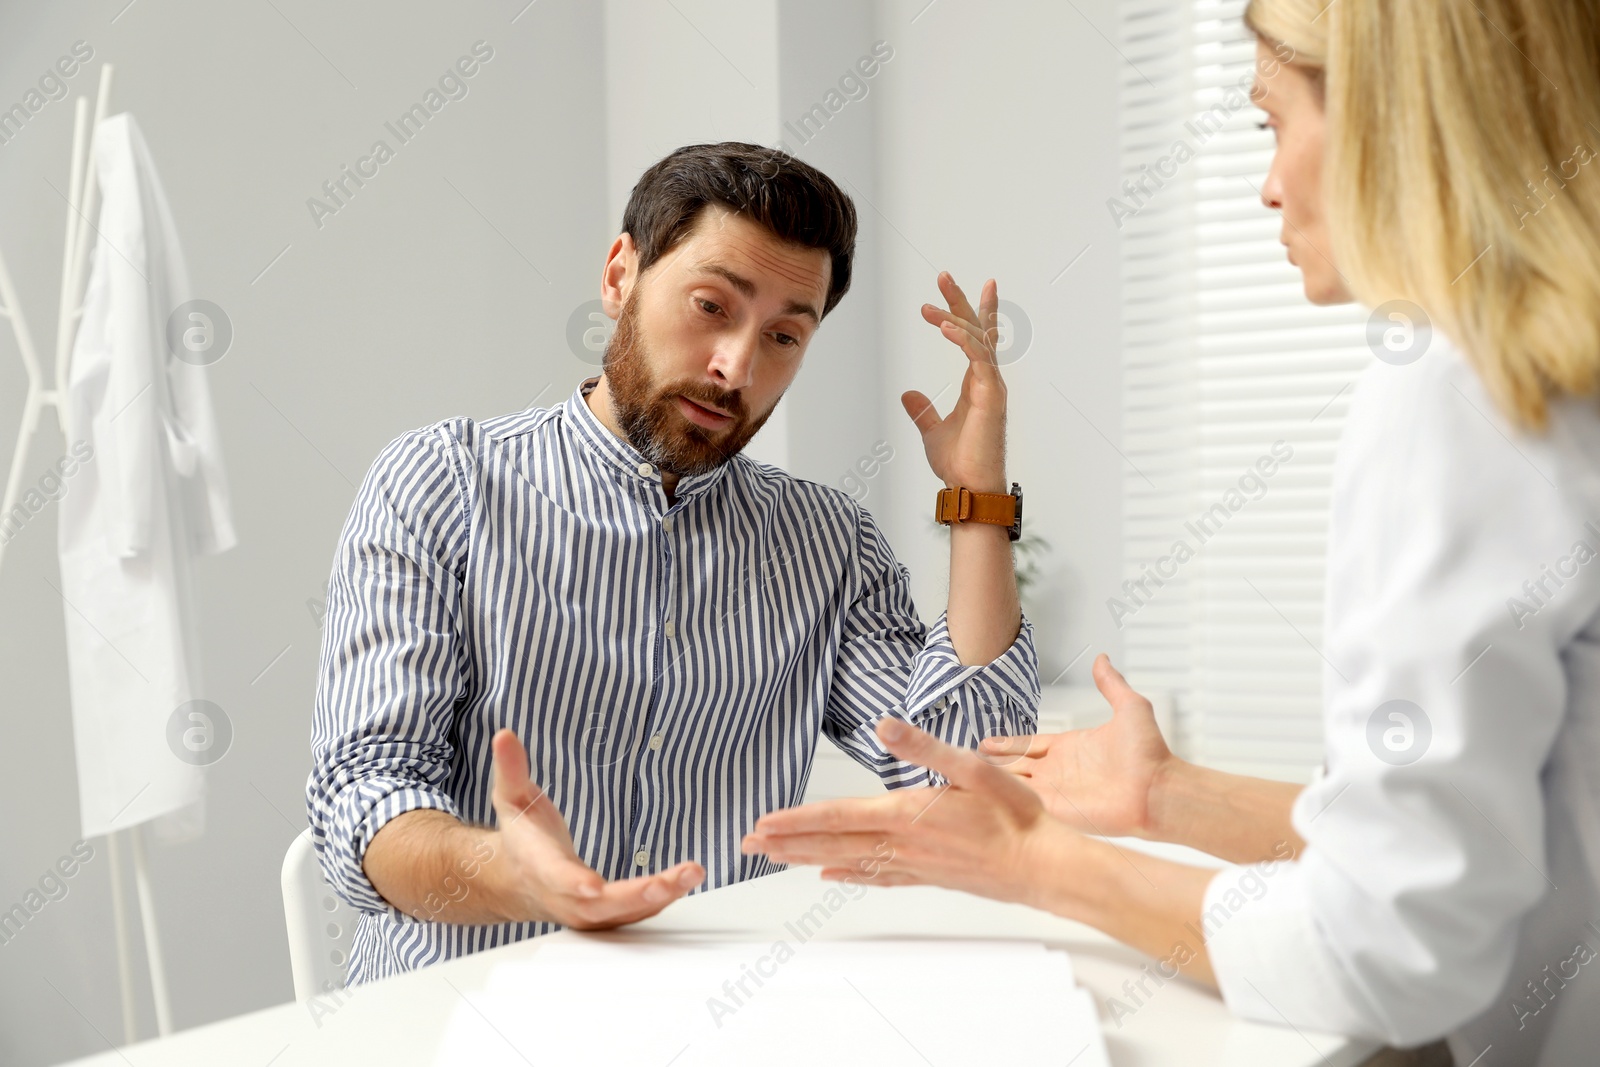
[
  {"x": 891, "y": 663},
  {"x": 392, "y": 666}
]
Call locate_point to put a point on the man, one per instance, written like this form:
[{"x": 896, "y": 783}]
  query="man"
[{"x": 662, "y": 625}]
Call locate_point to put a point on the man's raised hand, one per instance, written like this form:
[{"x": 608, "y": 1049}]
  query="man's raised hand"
[{"x": 967, "y": 446}]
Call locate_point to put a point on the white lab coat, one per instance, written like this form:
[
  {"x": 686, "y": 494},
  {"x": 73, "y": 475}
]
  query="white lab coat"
[
  {"x": 1430, "y": 895},
  {"x": 152, "y": 495}
]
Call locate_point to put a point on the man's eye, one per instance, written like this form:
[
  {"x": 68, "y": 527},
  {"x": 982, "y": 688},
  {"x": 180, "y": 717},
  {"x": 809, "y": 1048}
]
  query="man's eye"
[
  {"x": 708, "y": 307},
  {"x": 785, "y": 340}
]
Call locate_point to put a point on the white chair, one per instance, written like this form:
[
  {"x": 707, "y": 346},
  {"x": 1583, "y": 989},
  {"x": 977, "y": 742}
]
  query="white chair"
[{"x": 321, "y": 926}]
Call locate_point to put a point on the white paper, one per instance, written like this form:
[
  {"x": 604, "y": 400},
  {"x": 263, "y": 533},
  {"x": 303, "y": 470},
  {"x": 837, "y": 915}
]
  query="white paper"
[{"x": 692, "y": 1004}]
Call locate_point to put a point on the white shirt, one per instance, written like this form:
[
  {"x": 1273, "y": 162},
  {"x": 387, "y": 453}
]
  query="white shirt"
[{"x": 1456, "y": 893}]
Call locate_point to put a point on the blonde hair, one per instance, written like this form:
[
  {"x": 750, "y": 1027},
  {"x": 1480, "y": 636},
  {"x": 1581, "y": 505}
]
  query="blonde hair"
[
  {"x": 1457, "y": 146},
  {"x": 1294, "y": 23}
]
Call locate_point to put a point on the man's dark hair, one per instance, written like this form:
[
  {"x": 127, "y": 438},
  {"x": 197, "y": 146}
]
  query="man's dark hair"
[{"x": 794, "y": 200}]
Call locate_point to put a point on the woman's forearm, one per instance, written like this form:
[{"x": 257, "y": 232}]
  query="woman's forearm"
[
  {"x": 1151, "y": 904},
  {"x": 1231, "y": 816}
]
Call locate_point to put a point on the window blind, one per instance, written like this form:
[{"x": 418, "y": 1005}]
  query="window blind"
[{"x": 1228, "y": 371}]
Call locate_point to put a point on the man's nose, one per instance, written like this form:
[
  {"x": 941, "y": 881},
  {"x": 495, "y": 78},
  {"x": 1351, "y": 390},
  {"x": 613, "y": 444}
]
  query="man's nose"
[{"x": 733, "y": 362}]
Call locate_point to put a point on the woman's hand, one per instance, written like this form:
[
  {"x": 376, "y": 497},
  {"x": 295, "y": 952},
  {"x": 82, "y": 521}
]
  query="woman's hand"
[
  {"x": 987, "y": 833},
  {"x": 984, "y": 833},
  {"x": 1100, "y": 780}
]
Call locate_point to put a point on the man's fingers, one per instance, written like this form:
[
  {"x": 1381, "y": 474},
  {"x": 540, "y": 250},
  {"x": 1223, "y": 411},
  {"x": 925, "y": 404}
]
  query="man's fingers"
[
  {"x": 921, "y": 410},
  {"x": 518, "y": 799},
  {"x": 977, "y": 341},
  {"x": 511, "y": 786},
  {"x": 979, "y": 350},
  {"x": 941, "y": 318},
  {"x": 673, "y": 883},
  {"x": 956, "y": 298},
  {"x": 987, "y": 326},
  {"x": 571, "y": 877},
  {"x": 631, "y": 899},
  {"x": 989, "y": 312},
  {"x": 510, "y": 760}
]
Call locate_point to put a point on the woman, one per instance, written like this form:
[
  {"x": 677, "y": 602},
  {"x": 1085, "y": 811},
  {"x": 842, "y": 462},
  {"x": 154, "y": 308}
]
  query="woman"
[{"x": 1439, "y": 877}]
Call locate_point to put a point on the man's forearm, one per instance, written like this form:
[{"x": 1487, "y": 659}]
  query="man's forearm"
[
  {"x": 984, "y": 614},
  {"x": 434, "y": 867},
  {"x": 1230, "y": 816}
]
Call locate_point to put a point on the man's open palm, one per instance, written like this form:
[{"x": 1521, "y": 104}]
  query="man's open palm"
[{"x": 557, "y": 885}]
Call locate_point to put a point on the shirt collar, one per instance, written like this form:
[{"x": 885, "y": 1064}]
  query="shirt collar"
[{"x": 621, "y": 456}]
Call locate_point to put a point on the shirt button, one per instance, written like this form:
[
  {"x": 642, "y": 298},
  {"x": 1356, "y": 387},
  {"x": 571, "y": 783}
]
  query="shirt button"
[
  {"x": 646, "y": 470},
  {"x": 669, "y": 629},
  {"x": 666, "y": 524},
  {"x": 641, "y": 858},
  {"x": 655, "y": 743}
]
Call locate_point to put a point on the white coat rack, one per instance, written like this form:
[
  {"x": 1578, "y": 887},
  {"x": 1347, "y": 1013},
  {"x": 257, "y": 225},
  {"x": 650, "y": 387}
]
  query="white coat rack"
[{"x": 82, "y": 201}]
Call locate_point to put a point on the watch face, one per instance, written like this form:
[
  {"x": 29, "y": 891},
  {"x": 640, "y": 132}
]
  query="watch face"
[{"x": 1016, "y": 526}]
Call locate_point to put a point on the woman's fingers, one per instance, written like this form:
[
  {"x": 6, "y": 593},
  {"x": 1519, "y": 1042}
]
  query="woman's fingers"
[
  {"x": 825, "y": 849},
  {"x": 1014, "y": 750},
  {"x": 852, "y": 815},
  {"x": 960, "y": 766},
  {"x": 882, "y": 877},
  {"x": 1113, "y": 686},
  {"x": 1018, "y": 744}
]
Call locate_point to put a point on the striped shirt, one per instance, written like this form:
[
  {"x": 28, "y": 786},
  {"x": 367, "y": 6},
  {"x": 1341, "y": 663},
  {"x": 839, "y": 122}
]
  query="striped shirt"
[{"x": 670, "y": 668}]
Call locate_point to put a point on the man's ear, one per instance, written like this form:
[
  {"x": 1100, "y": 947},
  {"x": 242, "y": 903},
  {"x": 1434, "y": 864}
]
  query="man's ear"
[{"x": 620, "y": 274}]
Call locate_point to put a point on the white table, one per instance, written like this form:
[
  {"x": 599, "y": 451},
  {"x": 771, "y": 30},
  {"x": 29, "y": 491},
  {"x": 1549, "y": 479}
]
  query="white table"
[{"x": 399, "y": 1021}]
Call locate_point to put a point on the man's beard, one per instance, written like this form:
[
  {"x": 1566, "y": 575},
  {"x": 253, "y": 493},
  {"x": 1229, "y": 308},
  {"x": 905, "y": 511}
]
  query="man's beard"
[{"x": 649, "y": 414}]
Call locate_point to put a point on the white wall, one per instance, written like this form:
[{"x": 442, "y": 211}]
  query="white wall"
[
  {"x": 405, "y": 307},
  {"x": 720, "y": 70},
  {"x": 997, "y": 139},
  {"x": 986, "y": 145}
]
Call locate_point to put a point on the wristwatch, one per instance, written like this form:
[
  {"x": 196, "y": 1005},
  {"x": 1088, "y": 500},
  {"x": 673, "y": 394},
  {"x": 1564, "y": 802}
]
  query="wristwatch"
[{"x": 960, "y": 504}]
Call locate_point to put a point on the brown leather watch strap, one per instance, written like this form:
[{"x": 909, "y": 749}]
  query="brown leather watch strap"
[{"x": 960, "y": 504}]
